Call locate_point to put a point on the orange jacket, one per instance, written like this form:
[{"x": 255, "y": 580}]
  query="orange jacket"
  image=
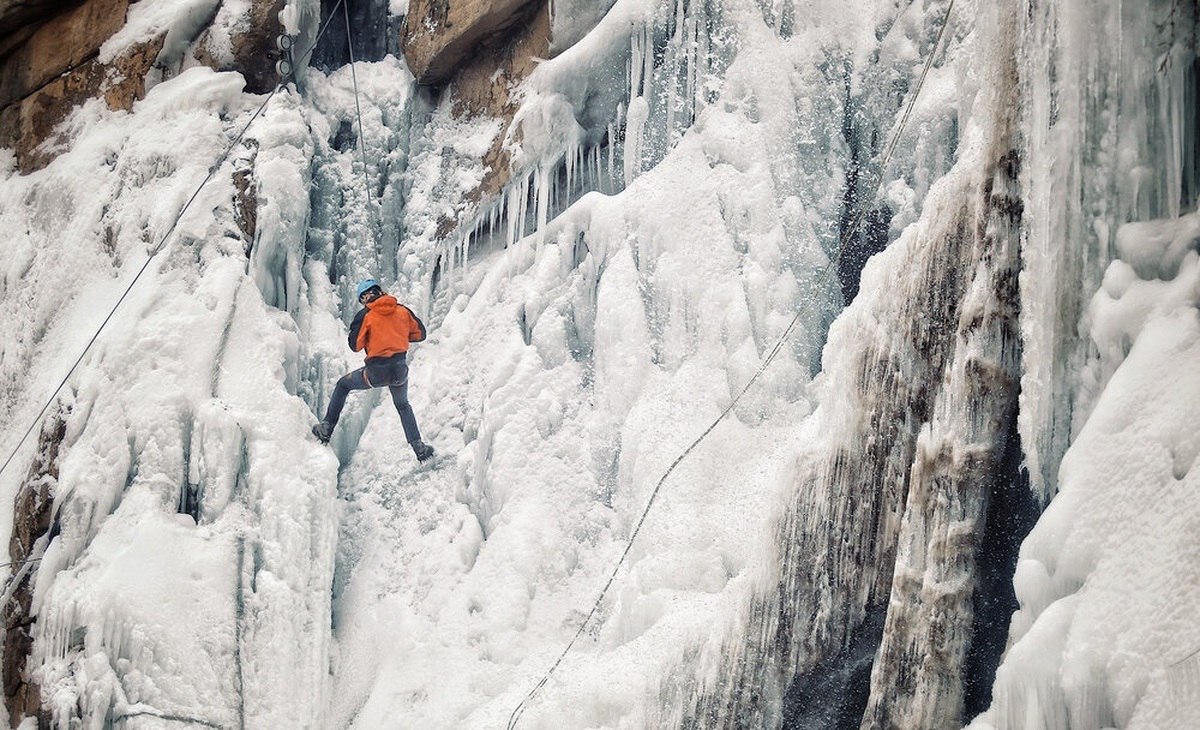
[{"x": 384, "y": 328}]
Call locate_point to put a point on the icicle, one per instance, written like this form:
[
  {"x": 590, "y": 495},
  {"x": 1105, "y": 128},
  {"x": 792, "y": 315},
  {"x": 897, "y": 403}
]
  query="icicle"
[
  {"x": 518, "y": 206},
  {"x": 674, "y": 48},
  {"x": 612, "y": 147},
  {"x": 635, "y": 122},
  {"x": 510, "y": 233},
  {"x": 647, "y": 58},
  {"x": 466, "y": 248},
  {"x": 636, "y": 51},
  {"x": 570, "y": 162},
  {"x": 594, "y": 166},
  {"x": 584, "y": 183},
  {"x": 543, "y": 181}
]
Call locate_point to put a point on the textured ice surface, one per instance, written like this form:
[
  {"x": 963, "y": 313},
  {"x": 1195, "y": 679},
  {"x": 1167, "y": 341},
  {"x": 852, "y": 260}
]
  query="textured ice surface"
[
  {"x": 187, "y": 404},
  {"x": 1108, "y": 627},
  {"x": 1111, "y": 137}
]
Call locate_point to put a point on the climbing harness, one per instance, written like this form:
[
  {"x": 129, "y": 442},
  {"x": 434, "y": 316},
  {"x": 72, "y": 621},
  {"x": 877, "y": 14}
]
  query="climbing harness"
[
  {"x": 162, "y": 242},
  {"x": 890, "y": 148}
]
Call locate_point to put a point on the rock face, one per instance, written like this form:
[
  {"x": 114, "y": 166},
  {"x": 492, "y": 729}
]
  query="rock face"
[
  {"x": 54, "y": 69},
  {"x": 485, "y": 87},
  {"x": 49, "y": 69},
  {"x": 958, "y": 471},
  {"x": 32, "y": 523},
  {"x": 442, "y": 36},
  {"x": 480, "y": 51},
  {"x": 965, "y": 473},
  {"x": 17, "y": 14},
  {"x": 252, "y": 45},
  {"x": 60, "y": 45}
]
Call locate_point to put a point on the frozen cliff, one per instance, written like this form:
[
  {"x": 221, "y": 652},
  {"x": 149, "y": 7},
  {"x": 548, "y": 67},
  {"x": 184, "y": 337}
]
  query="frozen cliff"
[{"x": 965, "y": 492}]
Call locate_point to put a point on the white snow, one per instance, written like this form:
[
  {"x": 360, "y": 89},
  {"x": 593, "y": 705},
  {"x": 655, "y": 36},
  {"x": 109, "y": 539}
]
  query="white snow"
[
  {"x": 179, "y": 21},
  {"x": 191, "y": 388},
  {"x": 1107, "y": 582}
]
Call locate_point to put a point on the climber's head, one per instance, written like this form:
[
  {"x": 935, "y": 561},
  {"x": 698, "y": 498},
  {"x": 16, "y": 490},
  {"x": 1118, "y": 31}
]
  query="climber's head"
[{"x": 368, "y": 290}]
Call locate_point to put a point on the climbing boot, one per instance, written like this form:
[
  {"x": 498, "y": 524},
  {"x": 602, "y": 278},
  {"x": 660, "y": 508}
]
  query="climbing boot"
[
  {"x": 423, "y": 450},
  {"x": 323, "y": 431}
]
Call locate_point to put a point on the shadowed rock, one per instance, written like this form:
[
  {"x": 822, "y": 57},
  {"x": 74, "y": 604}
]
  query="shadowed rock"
[{"x": 443, "y": 35}]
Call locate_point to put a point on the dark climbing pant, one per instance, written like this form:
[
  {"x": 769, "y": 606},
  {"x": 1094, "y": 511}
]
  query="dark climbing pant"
[{"x": 390, "y": 372}]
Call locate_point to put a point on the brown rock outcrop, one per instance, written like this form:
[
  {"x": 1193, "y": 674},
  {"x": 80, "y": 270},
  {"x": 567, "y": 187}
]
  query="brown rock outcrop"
[
  {"x": 253, "y": 47},
  {"x": 47, "y": 71},
  {"x": 17, "y": 14},
  {"x": 31, "y": 520},
  {"x": 486, "y": 87},
  {"x": 61, "y": 44},
  {"x": 245, "y": 200},
  {"x": 26, "y": 124},
  {"x": 481, "y": 51},
  {"x": 442, "y": 36}
]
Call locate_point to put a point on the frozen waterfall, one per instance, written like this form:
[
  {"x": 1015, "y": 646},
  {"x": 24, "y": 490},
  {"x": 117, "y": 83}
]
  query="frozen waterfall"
[{"x": 964, "y": 494}]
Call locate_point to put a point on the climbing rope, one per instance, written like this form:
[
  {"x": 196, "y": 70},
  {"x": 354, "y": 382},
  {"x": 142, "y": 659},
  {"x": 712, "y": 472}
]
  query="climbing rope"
[
  {"x": 890, "y": 148},
  {"x": 1195, "y": 652},
  {"x": 20, "y": 562},
  {"x": 362, "y": 142},
  {"x": 212, "y": 170}
]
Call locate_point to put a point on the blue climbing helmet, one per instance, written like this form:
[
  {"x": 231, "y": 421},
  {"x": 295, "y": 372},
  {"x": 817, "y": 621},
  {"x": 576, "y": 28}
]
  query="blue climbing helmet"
[{"x": 363, "y": 286}]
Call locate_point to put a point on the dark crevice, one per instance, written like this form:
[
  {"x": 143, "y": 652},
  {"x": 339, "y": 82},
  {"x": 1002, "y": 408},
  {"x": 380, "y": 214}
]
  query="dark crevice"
[
  {"x": 376, "y": 34},
  {"x": 345, "y": 137},
  {"x": 833, "y": 695},
  {"x": 1012, "y": 512},
  {"x": 523, "y": 323},
  {"x": 189, "y": 491},
  {"x": 863, "y": 232},
  {"x": 870, "y": 238},
  {"x": 34, "y": 526},
  {"x": 1190, "y": 174}
]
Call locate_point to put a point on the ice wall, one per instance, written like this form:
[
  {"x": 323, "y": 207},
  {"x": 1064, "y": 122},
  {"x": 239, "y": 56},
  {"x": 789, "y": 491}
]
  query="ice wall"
[
  {"x": 867, "y": 609},
  {"x": 185, "y": 571},
  {"x": 1105, "y": 633},
  {"x": 1109, "y": 107},
  {"x": 935, "y": 506},
  {"x": 570, "y": 330},
  {"x": 562, "y": 347},
  {"x": 839, "y": 553}
]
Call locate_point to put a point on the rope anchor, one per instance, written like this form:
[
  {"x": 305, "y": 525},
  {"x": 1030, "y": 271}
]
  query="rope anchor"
[{"x": 286, "y": 64}]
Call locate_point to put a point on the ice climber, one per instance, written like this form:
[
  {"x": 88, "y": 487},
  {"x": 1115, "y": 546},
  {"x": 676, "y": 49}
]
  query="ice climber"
[{"x": 384, "y": 328}]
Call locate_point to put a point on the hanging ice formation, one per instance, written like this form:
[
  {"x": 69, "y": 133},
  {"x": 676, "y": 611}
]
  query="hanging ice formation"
[{"x": 585, "y": 121}]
